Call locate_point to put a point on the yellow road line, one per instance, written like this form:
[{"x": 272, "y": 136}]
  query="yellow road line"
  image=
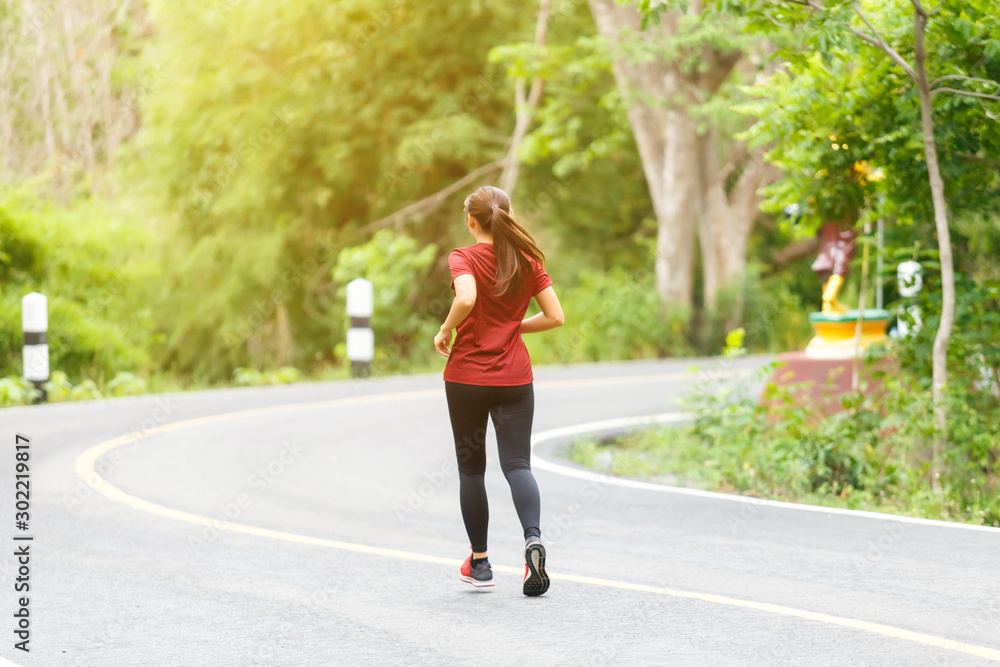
[{"x": 85, "y": 469}]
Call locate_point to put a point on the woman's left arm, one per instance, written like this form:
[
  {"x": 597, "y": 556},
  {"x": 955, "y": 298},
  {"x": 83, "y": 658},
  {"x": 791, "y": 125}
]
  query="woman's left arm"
[{"x": 465, "y": 299}]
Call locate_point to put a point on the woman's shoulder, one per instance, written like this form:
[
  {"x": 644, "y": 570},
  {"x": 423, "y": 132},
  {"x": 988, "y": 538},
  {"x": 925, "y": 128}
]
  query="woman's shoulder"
[
  {"x": 471, "y": 255},
  {"x": 473, "y": 248}
]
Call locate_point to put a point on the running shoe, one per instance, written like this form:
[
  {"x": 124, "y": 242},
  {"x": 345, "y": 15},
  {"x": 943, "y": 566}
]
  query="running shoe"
[
  {"x": 479, "y": 576},
  {"x": 536, "y": 581}
]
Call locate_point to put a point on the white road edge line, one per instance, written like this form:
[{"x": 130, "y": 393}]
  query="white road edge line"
[{"x": 673, "y": 418}]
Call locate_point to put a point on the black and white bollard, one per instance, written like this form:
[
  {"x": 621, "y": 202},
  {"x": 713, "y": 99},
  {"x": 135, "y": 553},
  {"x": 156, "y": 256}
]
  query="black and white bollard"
[
  {"x": 34, "y": 323},
  {"x": 360, "y": 338}
]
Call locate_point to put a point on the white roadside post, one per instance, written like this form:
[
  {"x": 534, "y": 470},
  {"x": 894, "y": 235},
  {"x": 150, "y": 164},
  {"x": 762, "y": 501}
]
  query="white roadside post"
[
  {"x": 910, "y": 278},
  {"x": 360, "y": 338},
  {"x": 35, "y": 355}
]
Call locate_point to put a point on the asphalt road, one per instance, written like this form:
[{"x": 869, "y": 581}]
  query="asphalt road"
[{"x": 344, "y": 540}]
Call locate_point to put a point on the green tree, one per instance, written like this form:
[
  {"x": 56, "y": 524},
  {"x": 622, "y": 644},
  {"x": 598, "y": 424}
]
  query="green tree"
[
  {"x": 280, "y": 131},
  {"x": 395, "y": 265},
  {"x": 953, "y": 43},
  {"x": 92, "y": 271}
]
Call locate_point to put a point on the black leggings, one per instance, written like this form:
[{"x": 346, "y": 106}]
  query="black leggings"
[{"x": 511, "y": 409}]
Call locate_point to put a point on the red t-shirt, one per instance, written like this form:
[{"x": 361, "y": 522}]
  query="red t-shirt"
[{"x": 488, "y": 349}]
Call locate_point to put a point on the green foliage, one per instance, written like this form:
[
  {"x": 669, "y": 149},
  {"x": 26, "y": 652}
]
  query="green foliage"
[
  {"x": 582, "y": 117},
  {"x": 16, "y": 391},
  {"x": 126, "y": 384},
  {"x": 818, "y": 153},
  {"x": 974, "y": 349},
  {"x": 89, "y": 266},
  {"x": 734, "y": 344},
  {"x": 265, "y": 151},
  {"x": 59, "y": 388},
  {"x": 397, "y": 267},
  {"x": 248, "y": 377},
  {"x": 85, "y": 391},
  {"x": 777, "y": 308},
  {"x": 838, "y": 101},
  {"x": 610, "y": 316}
]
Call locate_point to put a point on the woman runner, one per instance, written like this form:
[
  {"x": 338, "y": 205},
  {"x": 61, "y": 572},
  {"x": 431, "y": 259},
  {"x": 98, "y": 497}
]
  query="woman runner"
[{"x": 488, "y": 372}]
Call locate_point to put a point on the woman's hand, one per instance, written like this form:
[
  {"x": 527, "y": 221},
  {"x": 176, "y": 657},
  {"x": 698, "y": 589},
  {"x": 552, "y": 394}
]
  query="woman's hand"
[{"x": 441, "y": 342}]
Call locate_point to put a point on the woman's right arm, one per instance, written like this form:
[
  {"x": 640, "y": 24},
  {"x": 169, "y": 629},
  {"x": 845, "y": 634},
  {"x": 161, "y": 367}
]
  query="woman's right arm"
[{"x": 550, "y": 317}]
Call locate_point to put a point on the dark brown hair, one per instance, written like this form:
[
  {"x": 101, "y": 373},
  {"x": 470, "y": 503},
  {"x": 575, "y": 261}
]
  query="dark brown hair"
[{"x": 512, "y": 243}]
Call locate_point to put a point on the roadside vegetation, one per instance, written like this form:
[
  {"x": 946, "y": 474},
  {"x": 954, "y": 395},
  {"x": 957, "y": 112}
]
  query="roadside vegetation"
[{"x": 758, "y": 438}]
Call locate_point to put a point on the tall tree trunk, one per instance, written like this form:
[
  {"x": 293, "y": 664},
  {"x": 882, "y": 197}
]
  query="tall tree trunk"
[
  {"x": 733, "y": 216},
  {"x": 940, "y": 349},
  {"x": 677, "y": 207},
  {"x": 665, "y": 138},
  {"x": 686, "y": 185},
  {"x": 710, "y": 219}
]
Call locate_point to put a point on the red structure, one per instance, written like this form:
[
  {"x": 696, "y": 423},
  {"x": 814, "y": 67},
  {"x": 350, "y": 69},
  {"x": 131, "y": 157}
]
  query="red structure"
[{"x": 824, "y": 398}]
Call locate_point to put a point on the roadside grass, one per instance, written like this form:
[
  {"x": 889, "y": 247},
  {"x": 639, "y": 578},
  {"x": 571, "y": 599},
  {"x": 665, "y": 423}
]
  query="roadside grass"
[
  {"x": 875, "y": 452},
  {"x": 678, "y": 456}
]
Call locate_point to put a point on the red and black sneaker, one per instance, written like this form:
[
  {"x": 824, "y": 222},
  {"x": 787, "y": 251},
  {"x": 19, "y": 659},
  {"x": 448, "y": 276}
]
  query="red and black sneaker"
[
  {"x": 536, "y": 581},
  {"x": 479, "y": 576}
]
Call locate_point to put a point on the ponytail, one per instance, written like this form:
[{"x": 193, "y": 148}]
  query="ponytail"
[{"x": 512, "y": 243}]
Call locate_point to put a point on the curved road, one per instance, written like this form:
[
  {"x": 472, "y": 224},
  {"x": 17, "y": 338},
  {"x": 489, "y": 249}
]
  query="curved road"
[{"x": 344, "y": 539}]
